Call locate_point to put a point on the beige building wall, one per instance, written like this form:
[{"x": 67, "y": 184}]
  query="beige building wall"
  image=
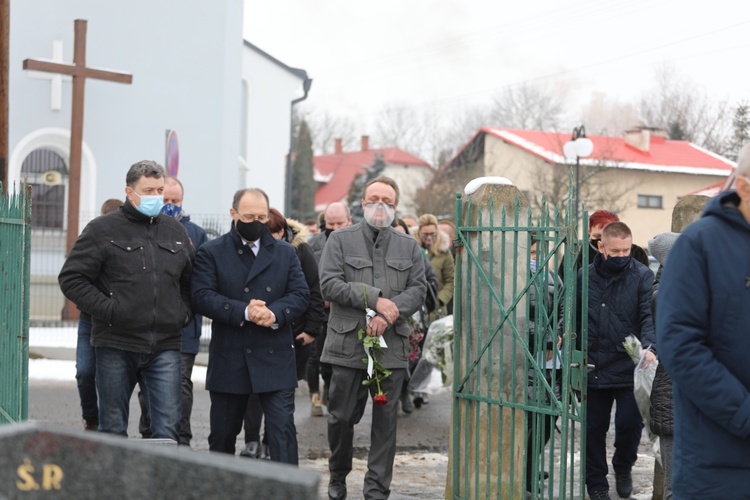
[
  {"x": 410, "y": 179},
  {"x": 524, "y": 169}
]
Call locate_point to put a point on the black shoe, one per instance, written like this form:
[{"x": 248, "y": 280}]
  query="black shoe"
[
  {"x": 252, "y": 450},
  {"x": 91, "y": 424},
  {"x": 624, "y": 484},
  {"x": 406, "y": 405},
  {"x": 336, "y": 490},
  {"x": 599, "y": 495},
  {"x": 529, "y": 482}
]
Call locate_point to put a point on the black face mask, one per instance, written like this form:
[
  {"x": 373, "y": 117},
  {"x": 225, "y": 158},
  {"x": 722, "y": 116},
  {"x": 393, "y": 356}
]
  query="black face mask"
[
  {"x": 615, "y": 265},
  {"x": 328, "y": 231},
  {"x": 250, "y": 231},
  {"x": 594, "y": 244}
]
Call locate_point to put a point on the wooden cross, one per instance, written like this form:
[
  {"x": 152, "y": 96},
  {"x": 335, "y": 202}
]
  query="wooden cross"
[{"x": 79, "y": 72}]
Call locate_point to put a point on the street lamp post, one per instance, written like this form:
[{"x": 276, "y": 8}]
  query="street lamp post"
[{"x": 579, "y": 146}]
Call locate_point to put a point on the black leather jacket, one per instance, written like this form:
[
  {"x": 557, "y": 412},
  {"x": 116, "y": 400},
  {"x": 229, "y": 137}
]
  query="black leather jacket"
[{"x": 131, "y": 273}]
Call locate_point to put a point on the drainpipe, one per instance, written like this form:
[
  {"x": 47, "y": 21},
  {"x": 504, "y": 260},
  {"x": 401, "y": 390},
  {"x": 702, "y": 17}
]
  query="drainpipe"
[{"x": 288, "y": 180}]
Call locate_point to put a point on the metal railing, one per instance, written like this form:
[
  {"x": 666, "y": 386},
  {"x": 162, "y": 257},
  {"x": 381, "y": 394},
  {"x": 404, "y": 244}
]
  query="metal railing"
[{"x": 15, "y": 218}]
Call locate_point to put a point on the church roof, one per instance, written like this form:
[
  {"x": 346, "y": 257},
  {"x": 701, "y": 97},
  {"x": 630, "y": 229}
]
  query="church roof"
[
  {"x": 300, "y": 73},
  {"x": 662, "y": 155},
  {"x": 338, "y": 171}
]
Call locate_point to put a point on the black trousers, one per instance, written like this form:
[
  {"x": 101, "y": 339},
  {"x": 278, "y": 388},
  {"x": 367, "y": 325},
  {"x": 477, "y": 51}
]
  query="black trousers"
[
  {"x": 628, "y": 428},
  {"x": 347, "y": 399},
  {"x": 228, "y": 411}
]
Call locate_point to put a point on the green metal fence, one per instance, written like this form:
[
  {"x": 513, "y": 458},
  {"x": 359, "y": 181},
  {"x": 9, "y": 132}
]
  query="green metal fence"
[
  {"x": 509, "y": 393},
  {"x": 15, "y": 242}
]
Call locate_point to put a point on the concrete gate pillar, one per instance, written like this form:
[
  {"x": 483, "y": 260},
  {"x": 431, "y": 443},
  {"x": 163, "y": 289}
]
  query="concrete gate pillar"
[{"x": 490, "y": 437}]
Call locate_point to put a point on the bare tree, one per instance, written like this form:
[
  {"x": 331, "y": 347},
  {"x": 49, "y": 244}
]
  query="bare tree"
[
  {"x": 604, "y": 116},
  {"x": 325, "y": 128},
  {"x": 598, "y": 190},
  {"x": 531, "y": 106},
  {"x": 686, "y": 111}
]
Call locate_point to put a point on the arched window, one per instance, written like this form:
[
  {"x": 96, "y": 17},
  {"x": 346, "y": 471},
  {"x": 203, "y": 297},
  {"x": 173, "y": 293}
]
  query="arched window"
[{"x": 47, "y": 172}]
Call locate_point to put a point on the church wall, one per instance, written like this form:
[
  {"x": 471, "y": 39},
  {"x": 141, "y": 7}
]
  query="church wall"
[{"x": 186, "y": 66}]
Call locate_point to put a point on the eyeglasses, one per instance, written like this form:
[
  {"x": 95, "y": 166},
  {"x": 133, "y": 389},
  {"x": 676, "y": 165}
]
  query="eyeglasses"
[
  {"x": 252, "y": 218},
  {"x": 425, "y": 236}
]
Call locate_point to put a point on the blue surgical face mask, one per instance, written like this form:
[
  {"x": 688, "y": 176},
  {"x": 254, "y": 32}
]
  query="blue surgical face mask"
[
  {"x": 150, "y": 204},
  {"x": 171, "y": 210},
  {"x": 532, "y": 265}
]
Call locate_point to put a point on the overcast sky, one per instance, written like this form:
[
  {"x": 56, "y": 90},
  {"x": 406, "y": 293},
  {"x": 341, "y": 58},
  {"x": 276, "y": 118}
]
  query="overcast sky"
[{"x": 446, "y": 54}]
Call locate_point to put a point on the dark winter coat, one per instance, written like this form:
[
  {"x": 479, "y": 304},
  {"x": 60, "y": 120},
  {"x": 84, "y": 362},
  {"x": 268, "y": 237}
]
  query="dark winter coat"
[
  {"x": 243, "y": 355},
  {"x": 314, "y": 318},
  {"x": 131, "y": 273},
  {"x": 191, "y": 334},
  {"x": 662, "y": 414},
  {"x": 702, "y": 320},
  {"x": 618, "y": 306}
]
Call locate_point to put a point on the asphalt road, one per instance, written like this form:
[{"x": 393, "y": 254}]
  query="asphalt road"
[
  {"x": 422, "y": 448},
  {"x": 422, "y": 444}
]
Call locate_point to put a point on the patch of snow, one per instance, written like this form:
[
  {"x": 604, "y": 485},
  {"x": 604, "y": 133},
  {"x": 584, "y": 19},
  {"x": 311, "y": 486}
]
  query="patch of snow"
[
  {"x": 475, "y": 184},
  {"x": 65, "y": 371}
]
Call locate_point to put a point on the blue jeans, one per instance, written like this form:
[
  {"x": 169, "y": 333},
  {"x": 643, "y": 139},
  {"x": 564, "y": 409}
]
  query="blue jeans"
[
  {"x": 86, "y": 369},
  {"x": 118, "y": 371}
]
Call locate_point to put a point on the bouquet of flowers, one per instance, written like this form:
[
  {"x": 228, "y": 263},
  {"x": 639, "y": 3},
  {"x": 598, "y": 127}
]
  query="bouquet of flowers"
[
  {"x": 374, "y": 346},
  {"x": 643, "y": 379},
  {"x": 416, "y": 334}
]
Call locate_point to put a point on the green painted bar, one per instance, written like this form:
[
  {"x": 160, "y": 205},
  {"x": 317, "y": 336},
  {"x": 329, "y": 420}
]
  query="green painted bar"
[
  {"x": 15, "y": 243},
  {"x": 490, "y": 313}
]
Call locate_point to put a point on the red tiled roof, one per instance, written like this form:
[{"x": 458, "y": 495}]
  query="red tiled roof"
[
  {"x": 345, "y": 167},
  {"x": 715, "y": 189},
  {"x": 663, "y": 155}
]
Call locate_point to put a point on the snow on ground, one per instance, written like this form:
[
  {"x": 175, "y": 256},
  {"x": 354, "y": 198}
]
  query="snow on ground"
[
  {"x": 65, "y": 371},
  {"x": 67, "y": 338}
]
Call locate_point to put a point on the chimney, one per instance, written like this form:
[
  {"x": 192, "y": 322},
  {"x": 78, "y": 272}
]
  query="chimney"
[
  {"x": 638, "y": 138},
  {"x": 365, "y": 142},
  {"x": 337, "y": 149}
]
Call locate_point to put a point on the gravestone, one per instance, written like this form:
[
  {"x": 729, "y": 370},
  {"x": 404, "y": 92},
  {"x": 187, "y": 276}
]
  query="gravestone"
[{"x": 39, "y": 461}]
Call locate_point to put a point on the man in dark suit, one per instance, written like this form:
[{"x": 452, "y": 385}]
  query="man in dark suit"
[{"x": 252, "y": 287}]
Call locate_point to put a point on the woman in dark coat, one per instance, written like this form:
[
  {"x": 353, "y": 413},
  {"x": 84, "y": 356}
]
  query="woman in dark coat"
[{"x": 662, "y": 407}]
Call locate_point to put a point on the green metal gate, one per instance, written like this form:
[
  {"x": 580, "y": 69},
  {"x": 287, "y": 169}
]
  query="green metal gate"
[
  {"x": 15, "y": 242},
  {"x": 506, "y": 390}
]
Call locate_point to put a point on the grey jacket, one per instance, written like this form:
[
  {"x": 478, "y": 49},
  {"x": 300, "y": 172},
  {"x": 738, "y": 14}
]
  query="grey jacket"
[{"x": 356, "y": 269}]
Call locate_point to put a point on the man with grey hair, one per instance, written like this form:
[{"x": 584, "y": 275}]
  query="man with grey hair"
[
  {"x": 702, "y": 323},
  {"x": 373, "y": 276},
  {"x": 130, "y": 270}
]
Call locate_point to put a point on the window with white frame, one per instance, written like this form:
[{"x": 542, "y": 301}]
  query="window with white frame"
[{"x": 650, "y": 201}]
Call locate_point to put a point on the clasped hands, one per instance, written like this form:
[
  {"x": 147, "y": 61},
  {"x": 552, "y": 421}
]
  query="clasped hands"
[
  {"x": 387, "y": 315},
  {"x": 258, "y": 313}
]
